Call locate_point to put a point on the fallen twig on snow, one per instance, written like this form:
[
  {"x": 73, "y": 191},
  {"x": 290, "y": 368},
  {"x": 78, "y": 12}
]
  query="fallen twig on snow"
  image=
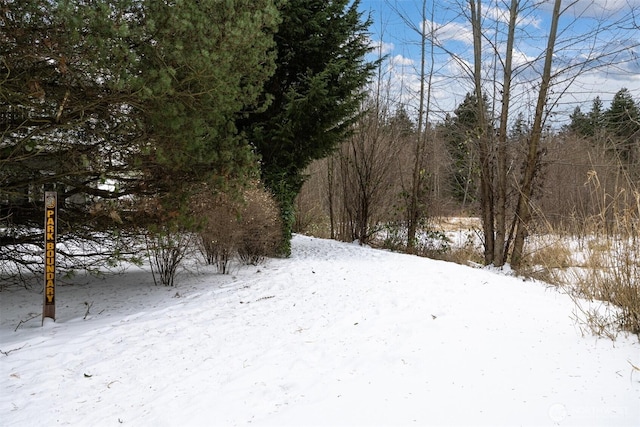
[{"x": 25, "y": 321}]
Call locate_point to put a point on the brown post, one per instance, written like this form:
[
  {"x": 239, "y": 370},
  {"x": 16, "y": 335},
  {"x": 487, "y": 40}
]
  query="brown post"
[{"x": 50, "y": 236}]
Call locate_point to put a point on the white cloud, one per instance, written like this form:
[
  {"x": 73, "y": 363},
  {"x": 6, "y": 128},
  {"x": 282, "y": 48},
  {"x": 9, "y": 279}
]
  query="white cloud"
[
  {"x": 450, "y": 31},
  {"x": 381, "y": 47},
  {"x": 601, "y": 8},
  {"x": 401, "y": 61},
  {"x": 501, "y": 15}
]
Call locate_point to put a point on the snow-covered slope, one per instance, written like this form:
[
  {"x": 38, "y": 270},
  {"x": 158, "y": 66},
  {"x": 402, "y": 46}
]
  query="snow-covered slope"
[{"x": 336, "y": 335}]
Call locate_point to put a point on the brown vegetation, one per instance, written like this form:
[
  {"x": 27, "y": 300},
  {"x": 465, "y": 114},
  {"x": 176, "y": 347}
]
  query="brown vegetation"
[{"x": 246, "y": 225}]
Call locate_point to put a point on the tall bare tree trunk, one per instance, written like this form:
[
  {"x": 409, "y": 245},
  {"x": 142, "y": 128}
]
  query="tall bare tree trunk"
[
  {"x": 499, "y": 250},
  {"x": 523, "y": 210},
  {"x": 483, "y": 140},
  {"x": 416, "y": 181}
]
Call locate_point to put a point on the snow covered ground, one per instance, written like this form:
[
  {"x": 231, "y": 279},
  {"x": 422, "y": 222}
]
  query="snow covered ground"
[{"x": 337, "y": 335}]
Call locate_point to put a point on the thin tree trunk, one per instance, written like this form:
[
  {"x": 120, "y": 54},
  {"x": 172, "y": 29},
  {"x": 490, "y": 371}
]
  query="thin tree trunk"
[
  {"x": 501, "y": 177},
  {"x": 416, "y": 182},
  {"x": 330, "y": 190},
  {"x": 414, "y": 208},
  {"x": 484, "y": 149},
  {"x": 523, "y": 211}
]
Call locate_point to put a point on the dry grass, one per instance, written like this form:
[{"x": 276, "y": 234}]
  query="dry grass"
[
  {"x": 466, "y": 255},
  {"x": 612, "y": 275},
  {"x": 468, "y": 251},
  {"x": 609, "y": 272},
  {"x": 548, "y": 259},
  {"x": 457, "y": 223},
  {"x": 554, "y": 255}
]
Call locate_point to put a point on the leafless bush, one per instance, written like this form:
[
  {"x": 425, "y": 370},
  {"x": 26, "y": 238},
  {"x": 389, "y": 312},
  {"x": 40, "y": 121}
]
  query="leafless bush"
[
  {"x": 218, "y": 235},
  {"x": 246, "y": 224},
  {"x": 215, "y": 252},
  {"x": 259, "y": 226},
  {"x": 575, "y": 169},
  {"x": 312, "y": 217},
  {"x": 167, "y": 247}
]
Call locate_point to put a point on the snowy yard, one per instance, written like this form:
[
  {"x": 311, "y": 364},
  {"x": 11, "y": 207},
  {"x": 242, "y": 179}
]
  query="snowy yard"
[{"x": 337, "y": 335}]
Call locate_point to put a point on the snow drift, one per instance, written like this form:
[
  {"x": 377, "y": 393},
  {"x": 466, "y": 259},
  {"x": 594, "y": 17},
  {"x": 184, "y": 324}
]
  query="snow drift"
[{"x": 337, "y": 335}]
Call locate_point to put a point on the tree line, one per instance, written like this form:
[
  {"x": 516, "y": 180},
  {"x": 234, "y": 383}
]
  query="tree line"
[
  {"x": 486, "y": 158},
  {"x": 361, "y": 191}
]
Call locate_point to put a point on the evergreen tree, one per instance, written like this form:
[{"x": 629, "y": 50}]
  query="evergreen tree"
[
  {"x": 461, "y": 134},
  {"x": 579, "y": 122},
  {"x": 207, "y": 68},
  {"x": 596, "y": 117},
  {"x": 623, "y": 124},
  {"x": 63, "y": 99},
  {"x": 520, "y": 128},
  {"x": 589, "y": 124},
  {"x": 105, "y": 99},
  {"x": 314, "y": 94},
  {"x": 401, "y": 123}
]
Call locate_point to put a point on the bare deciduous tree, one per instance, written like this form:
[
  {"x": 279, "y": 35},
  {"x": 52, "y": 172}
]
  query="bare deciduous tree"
[
  {"x": 415, "y": 203},
  {"x": 502, "y": 243}
]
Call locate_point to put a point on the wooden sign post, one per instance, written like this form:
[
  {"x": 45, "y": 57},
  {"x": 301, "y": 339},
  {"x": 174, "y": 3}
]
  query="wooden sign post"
[{"x": 50, "y": 236}]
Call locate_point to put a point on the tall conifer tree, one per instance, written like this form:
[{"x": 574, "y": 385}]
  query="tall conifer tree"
[{"x": 315, "y": 94}]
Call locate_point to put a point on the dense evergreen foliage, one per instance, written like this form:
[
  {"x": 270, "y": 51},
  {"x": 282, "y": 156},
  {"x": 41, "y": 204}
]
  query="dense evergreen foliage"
[
  {"x": 112, "y": 103},
  {"x": 617, "y": 128},
  {"x": 315, "y": 93},
  {"x": 460, "y": 132}
]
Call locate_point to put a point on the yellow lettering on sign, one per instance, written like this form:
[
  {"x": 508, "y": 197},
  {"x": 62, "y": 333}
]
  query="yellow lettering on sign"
[
  {"x": 50, "y": 288},
  {"x": 49, "y": 255}
]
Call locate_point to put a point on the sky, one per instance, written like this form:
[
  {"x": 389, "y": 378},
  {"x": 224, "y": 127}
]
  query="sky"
[{"x": 586, "y": 30}]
